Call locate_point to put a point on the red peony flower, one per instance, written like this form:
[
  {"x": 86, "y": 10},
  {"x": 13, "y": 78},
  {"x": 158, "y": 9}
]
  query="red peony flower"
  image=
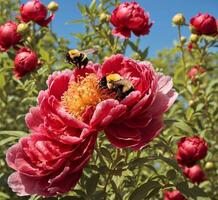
[
  {"x": 25, "y": 61},
  {"x": 194, "y": 71},
  {"x": 191, "y": 150},
  {"x": 173, "y": 195},
  {"x": 204, "y": 24},
  {"x": 129, "y": 17},
  {"x": 47, "y": 167},
  {"x": 36, "y": 11},
  {"x": 195, "y": 174},
  {"x": 8, "y": 35}
]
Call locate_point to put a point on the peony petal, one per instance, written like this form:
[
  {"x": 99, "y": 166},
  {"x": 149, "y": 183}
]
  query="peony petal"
[
  {"x": 106, "y": 111},
  {"x": 45, "y": 22},
  {"x": 122, "y": 136},
  {"x": 34, "y": 119},
  {"x": 162, "y": 103},
  {"x": 113, "y": 64},
  {"x": 149, "y": 132},
  {"x": 131, "y": 99},
  {"x": 59, "y": 84},
  {"x": 121, "y": 32},
  {"x": 165, "y": 84}
]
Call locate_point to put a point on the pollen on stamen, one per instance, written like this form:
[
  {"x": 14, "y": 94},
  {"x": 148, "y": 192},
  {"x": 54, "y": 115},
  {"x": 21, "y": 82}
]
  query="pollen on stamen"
[{"x": 85, "y": 93}]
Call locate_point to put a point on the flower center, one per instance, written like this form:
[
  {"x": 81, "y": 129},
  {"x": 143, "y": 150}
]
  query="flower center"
[{"x": 83, "y": 94}]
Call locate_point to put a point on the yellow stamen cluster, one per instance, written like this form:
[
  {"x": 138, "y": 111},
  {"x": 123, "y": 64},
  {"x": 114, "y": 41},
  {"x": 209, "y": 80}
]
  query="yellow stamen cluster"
[{"x": 83, "y": 94}]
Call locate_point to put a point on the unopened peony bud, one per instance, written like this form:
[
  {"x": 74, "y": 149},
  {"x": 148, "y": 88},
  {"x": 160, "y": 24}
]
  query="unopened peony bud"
[
  {"x": 25, "y": 61},
  {"x": 191, "y": 103},
  {"x": 194, "y": 38},
  {"x": 173, "y": 195},
  {"x": 194, "y": 71},
  {"x": 195, "y": 174},
  {"x": 204, "y": 24},
  {"x": 103, "y": 17},
  {"x": 23, "y": 28},
  {"x": 29, "y": 39},
  {"x": 35, "y": 11},
  {"x": 178, "y": 19},
  {"x": 191, "y": 150},
  {"x": 8, "y": 35},
  {"x": 53, "y": 6},
  {"x": 209, "y": 165},
  {"x": 183, "y": 39}
]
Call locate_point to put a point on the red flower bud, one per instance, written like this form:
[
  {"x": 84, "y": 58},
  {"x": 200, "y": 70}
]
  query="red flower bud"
[
  {"x": 195, "y": 174},
  {"x": 129, "y": 17},
  {"x": 204, "y": 24},
  {"x": 190, "y": 150},
  {"x": 173, "y": 195},
  {"x": 25, "y": 61},
  {"x": 8, "y": 35},
  {"x": 36, "y": 11},
  {"x": 194, "y": 71}
]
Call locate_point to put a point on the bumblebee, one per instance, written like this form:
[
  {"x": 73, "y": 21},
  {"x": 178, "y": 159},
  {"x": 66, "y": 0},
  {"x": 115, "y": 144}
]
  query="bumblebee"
[
  {"x": 79, "y": 58},
  {"x": 115, "y": 83}
]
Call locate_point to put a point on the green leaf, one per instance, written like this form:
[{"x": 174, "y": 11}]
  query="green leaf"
[
  {"x": 170, "y": 162},
  {"x": 78, "y": 21},
  {"x": 17, "y": 134},
  {"x": 92, "y": 6},
  {"x": 141, "y": 192},
  {"x": 7, "y": 140},
  {"x": 116, "y": 191},
  {"x": 106, "y": 154},
  {"x": 4, "y": 196},
  {"x": 81, "y": 8},
  {"x": 189, "y": 113},
  {"x": 133, "y": 46},
  {"x": 138, "y": 162},
  {"x": 91, "y": 184},
  {"x": 44, "y": 54},
  {"x": 193, "y": 192},
  {"x": 183, "y": 126},
  {"x": 2, "y": 80}
]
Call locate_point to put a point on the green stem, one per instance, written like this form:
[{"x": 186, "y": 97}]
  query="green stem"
[{"x": 181, "y": 46}]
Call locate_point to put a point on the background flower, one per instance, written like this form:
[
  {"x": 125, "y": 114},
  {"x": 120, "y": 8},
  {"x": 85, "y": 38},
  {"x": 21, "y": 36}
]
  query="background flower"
[
  {"x": 195, "y": 174},
  {"x": 129, "y": 17},
  {"x": 173, "y": 195},
  {"x": 204, "y": 24},
  {"x": 8, "y": 35},
  {"x": 25, "y": 61},
  {"x": 36, "y": 11},
  {"x": 190, "y": 150}
]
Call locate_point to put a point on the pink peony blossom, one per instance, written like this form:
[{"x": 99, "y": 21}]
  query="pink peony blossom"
[
  {"x": 73, "y": 109},
  {"x": 129, "y": 17},
  {"x": 74, "y": 105}
]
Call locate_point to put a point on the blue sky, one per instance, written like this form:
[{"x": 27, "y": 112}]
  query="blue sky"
[{"x": 161, "y": 12}]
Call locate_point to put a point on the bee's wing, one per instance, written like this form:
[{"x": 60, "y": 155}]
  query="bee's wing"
[{"x": 90, "y": 51}]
